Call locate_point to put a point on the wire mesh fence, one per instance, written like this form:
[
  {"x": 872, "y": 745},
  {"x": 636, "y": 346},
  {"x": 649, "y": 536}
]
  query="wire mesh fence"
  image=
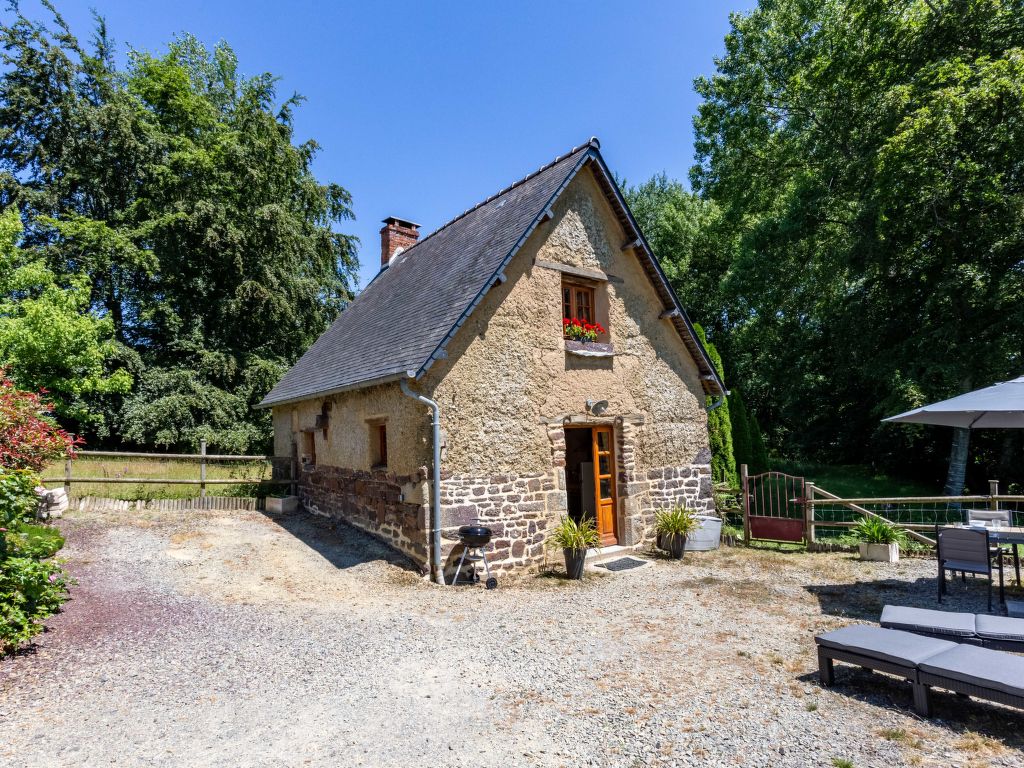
[{"x": 916, "y": 514}]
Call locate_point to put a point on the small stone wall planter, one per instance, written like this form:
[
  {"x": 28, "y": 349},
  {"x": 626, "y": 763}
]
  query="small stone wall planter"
[
  {"x": 880, "y": 553},
  {"x": 282, "y": 504},
  {"x": 589, "y": 348}
]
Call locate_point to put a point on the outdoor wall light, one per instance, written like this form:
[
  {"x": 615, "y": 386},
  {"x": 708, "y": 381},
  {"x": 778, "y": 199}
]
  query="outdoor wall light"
[{"x": 597, "y": 407}]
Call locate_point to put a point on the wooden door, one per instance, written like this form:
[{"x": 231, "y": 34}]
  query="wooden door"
[{"x": 604, "y": 484}]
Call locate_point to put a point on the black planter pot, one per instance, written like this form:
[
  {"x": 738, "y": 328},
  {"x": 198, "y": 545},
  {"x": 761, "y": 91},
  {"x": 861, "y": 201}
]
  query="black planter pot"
[
  {"x": 574, "y": 561},
  {"x": 674, "y": 544}
]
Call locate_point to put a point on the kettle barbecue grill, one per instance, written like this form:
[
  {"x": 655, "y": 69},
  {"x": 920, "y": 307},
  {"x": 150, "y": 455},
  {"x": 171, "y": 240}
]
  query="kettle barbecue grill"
[{"x": 473, "y": 539}]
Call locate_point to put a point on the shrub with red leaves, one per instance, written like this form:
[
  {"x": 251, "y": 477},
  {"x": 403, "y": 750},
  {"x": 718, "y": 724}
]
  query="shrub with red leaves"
[{"x": 28, "y": 439}]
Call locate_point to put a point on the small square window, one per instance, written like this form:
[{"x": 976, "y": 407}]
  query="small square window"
[{"x": 579, "y": 304}]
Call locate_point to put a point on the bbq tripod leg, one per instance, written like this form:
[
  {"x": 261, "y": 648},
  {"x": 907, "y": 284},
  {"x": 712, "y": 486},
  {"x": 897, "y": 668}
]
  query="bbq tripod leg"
[{"x": 465, "y": 551}]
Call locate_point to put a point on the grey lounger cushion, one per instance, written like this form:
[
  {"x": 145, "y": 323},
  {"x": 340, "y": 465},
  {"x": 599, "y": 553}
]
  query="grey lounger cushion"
[
  {"x": 999, "y": 628},
  {"x": 926, "y": 620},
  {"x": 979, "y": 666},
  {"x": 890, "y": 645}
]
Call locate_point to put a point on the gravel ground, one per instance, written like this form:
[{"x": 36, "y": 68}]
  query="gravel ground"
[{"x": 241, "y": 639}]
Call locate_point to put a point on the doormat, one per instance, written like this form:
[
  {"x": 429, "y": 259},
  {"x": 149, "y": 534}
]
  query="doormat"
[{"x": 623, "y": 564}]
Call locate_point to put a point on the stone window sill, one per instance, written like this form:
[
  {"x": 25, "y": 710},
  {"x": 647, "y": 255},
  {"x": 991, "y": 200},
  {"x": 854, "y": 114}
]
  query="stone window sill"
[{"x": 588, "y": 348}]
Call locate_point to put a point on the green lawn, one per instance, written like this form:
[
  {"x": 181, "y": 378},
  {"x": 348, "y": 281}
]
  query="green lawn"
[
  {"x": 854, "y": 481},
  {"x": 246, "y": 473}
]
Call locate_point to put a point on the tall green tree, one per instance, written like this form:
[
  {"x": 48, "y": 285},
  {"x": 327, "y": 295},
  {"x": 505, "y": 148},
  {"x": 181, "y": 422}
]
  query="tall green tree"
[
  {"x": 866, "y": 159},
  {"x": 175, "y": 187},
  {"x": 48, "y": 337},
  {"x": 723, "y": 458},
  {"x": 685, "y": 231}
]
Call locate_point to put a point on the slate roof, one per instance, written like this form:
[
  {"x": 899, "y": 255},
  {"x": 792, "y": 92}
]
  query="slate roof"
[{"x": 400, "y": 323}]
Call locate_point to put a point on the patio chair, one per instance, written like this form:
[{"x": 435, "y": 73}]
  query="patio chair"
[
  {"x": 967, "y": 550},
  {"x": 987, "y": 517}
]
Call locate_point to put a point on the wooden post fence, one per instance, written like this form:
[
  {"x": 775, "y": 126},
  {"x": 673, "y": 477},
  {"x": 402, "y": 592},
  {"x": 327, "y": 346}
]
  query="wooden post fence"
[
  {"x": 202, "y": 469},
  {"x": 809, "y": 513},
  {"x": 744, "y": 475},
  {"x": 203, "y": 458}
]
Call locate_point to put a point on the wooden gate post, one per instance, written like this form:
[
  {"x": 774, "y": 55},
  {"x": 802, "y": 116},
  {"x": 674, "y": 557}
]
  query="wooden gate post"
[
  {"x": 809, "y": 513},
  {"x": 993, "y": 491},
  {"x": 744, "y": 478},
  {"x": 67, "y": 477},
  {"x": 202, "y": 469}
]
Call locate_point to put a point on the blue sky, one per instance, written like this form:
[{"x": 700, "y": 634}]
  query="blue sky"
[{"x": 423, "y": 109}]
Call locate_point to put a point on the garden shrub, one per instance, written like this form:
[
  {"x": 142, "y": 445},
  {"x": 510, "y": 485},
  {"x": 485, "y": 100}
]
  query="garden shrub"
[
  {"x": 30, "y": 591},
  {"x": 32, "y": 586},
  {"x": 18, "y": 500}
]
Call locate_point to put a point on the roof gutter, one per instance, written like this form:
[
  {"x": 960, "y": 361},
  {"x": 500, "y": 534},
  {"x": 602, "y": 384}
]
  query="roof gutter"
[
  {"x": 437, "y": 567},
  {"x": 386, "y": 379}
]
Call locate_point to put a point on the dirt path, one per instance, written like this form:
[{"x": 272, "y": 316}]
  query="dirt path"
[{"x": 243, "y": 640}]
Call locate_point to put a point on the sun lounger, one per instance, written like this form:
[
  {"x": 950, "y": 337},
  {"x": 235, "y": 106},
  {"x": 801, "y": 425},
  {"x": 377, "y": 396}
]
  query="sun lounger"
[
  {"x": 996, "y": 632},
  {"x": 925, "y": 662}
]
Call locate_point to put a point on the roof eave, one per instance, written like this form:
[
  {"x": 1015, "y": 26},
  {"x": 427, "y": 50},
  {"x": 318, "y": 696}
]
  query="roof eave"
[
  {"x": 710, "y": 379},
  {"x": 386, "y": 379},
  {"x": 441, "y": 351}
]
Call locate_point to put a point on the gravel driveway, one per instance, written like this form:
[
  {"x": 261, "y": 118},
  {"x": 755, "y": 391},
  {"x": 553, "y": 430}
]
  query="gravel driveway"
[{"x": 246, "y": 640}]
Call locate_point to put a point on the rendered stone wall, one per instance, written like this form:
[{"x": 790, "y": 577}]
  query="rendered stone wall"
[
  {"x": 506, "y": 389},
  {"x": 509, "y": 383},
  {"x": 347, "y": 442}
]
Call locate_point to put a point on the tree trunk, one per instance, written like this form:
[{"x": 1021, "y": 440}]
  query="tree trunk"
[{"x": 957, "y": 462}]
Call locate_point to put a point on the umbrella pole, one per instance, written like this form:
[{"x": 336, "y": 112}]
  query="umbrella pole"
[{"x": 957, "y": 473}]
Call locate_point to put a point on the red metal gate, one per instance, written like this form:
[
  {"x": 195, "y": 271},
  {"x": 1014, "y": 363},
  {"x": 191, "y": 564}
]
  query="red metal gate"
[{"x": 773, "y": 507}]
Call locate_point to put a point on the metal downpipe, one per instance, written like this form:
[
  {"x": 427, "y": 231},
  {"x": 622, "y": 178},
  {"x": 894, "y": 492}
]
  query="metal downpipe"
[{"x": 435, "y": 484}]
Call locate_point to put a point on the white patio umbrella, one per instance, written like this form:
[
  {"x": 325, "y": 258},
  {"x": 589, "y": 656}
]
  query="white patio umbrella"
[{"x": 1000, "y": 406}]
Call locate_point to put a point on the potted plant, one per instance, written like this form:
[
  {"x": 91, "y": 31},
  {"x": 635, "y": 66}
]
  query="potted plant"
[
  {"x": 673, "y": 526},
  {"x": 574, "y": 539},
  {"x": 880, "y": 541}
]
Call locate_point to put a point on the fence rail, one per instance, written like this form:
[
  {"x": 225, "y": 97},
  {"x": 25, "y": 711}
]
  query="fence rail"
[{"x": 202, "y": 459}]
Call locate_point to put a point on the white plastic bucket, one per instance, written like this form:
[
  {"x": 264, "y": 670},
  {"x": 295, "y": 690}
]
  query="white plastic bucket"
[{"x": 707, "y": 536}]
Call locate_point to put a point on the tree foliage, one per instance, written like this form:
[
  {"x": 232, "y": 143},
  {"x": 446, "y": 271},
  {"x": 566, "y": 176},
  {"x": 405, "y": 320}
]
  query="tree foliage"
[
  {"x": 48, "y": 337},
  {"x": 171, "y": 203},
  {"x": 865, "y": 161},
  {"x": 29, "y": 440},
  {"x": 720, "y": 430}
]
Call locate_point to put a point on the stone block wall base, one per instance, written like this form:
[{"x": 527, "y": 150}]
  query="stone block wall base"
[{"x": 376, "y": 502}]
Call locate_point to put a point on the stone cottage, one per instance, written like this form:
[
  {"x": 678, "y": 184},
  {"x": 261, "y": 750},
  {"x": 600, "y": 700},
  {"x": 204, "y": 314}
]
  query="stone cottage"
[{"x": 449, "y": 390}]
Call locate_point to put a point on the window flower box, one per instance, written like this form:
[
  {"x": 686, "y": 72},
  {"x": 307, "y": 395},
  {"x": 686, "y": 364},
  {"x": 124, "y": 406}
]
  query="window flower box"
[
  {"x": 588, "y": 348},
  {"x": 583, "y": 330}
]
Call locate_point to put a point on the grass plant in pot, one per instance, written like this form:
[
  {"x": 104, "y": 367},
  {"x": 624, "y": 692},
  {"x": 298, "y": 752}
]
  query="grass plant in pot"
[
  {"x": 879, "y": 540},
  {"x": 673, "y": 526},
  {"x": 574, "y": 539}
]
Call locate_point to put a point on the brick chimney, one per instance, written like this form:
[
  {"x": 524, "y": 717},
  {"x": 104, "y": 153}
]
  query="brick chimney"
[{"x": 396, "y": 236}]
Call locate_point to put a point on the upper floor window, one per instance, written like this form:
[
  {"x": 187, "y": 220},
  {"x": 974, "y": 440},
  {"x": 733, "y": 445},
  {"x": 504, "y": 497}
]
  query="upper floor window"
[
  {"x": 584, "y": 308},
  {"x": 578, "y": 302}
]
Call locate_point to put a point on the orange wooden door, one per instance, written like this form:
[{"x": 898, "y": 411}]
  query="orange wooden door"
[{"x": 604, "y": 484}]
